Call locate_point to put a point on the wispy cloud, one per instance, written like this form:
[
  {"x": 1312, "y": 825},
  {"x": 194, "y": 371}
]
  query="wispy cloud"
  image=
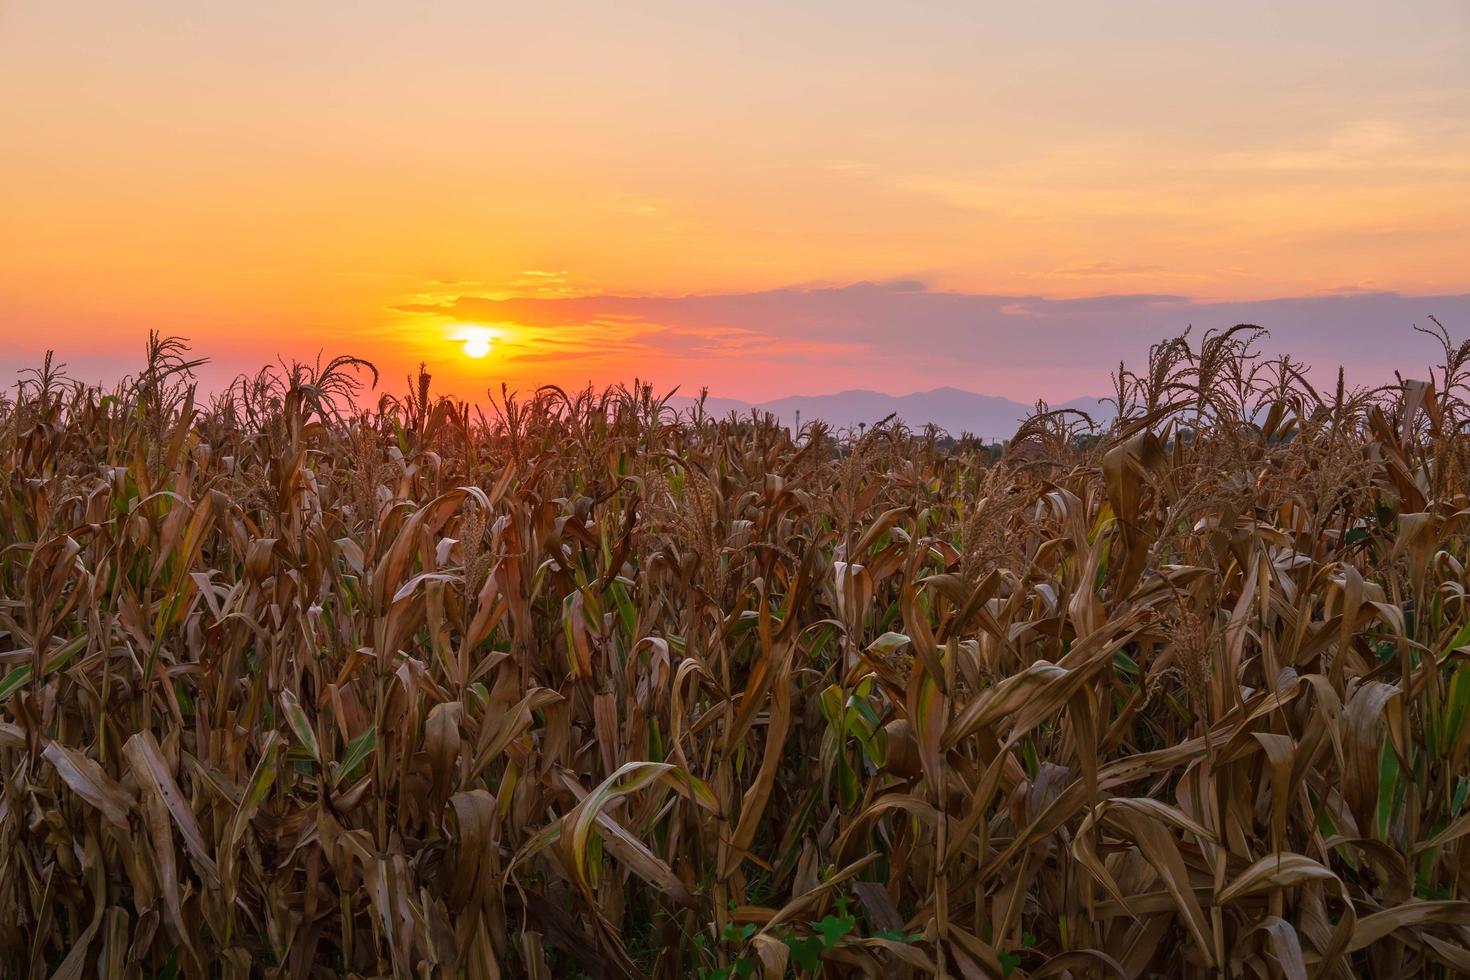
[
  {"x": 1107, "y": 270},
  {"x": 907, "y": 335}
]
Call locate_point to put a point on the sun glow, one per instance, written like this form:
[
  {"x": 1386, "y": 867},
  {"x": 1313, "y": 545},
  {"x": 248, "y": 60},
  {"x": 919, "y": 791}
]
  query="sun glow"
[{"x": 476, "y": 341}]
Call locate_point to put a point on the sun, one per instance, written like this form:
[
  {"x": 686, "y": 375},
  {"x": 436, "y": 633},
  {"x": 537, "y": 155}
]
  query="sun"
[{"x": 476, "y": 341}]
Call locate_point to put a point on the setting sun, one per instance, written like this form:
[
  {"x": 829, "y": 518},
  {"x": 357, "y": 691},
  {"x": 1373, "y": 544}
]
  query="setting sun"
[{"x": 476, "y": 341}]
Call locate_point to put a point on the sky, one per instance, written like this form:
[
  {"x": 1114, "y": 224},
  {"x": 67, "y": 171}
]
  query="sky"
[{"x": 760, "y": 198}]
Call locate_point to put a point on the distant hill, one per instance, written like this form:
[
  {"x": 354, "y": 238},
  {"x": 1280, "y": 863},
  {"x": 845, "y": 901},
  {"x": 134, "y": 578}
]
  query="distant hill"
[{"x": 952, "y": 409}]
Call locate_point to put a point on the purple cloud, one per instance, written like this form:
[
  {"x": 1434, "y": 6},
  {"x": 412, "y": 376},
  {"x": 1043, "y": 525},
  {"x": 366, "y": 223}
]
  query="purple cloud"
[{"x": 1057, "y": 347}]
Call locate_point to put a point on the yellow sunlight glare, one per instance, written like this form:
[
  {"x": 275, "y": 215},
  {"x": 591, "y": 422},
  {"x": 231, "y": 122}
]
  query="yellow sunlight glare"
[{"x": 477, "y": 341}]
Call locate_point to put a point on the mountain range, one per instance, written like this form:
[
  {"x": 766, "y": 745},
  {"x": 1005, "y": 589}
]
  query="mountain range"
[{"x": 954, "y": 410}]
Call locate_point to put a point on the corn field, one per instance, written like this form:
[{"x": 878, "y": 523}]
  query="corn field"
[{"x": 302, "y": 681}]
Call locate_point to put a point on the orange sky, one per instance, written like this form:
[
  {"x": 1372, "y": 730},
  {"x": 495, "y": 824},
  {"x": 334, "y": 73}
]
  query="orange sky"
[{"x": 275, "y": 178}]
